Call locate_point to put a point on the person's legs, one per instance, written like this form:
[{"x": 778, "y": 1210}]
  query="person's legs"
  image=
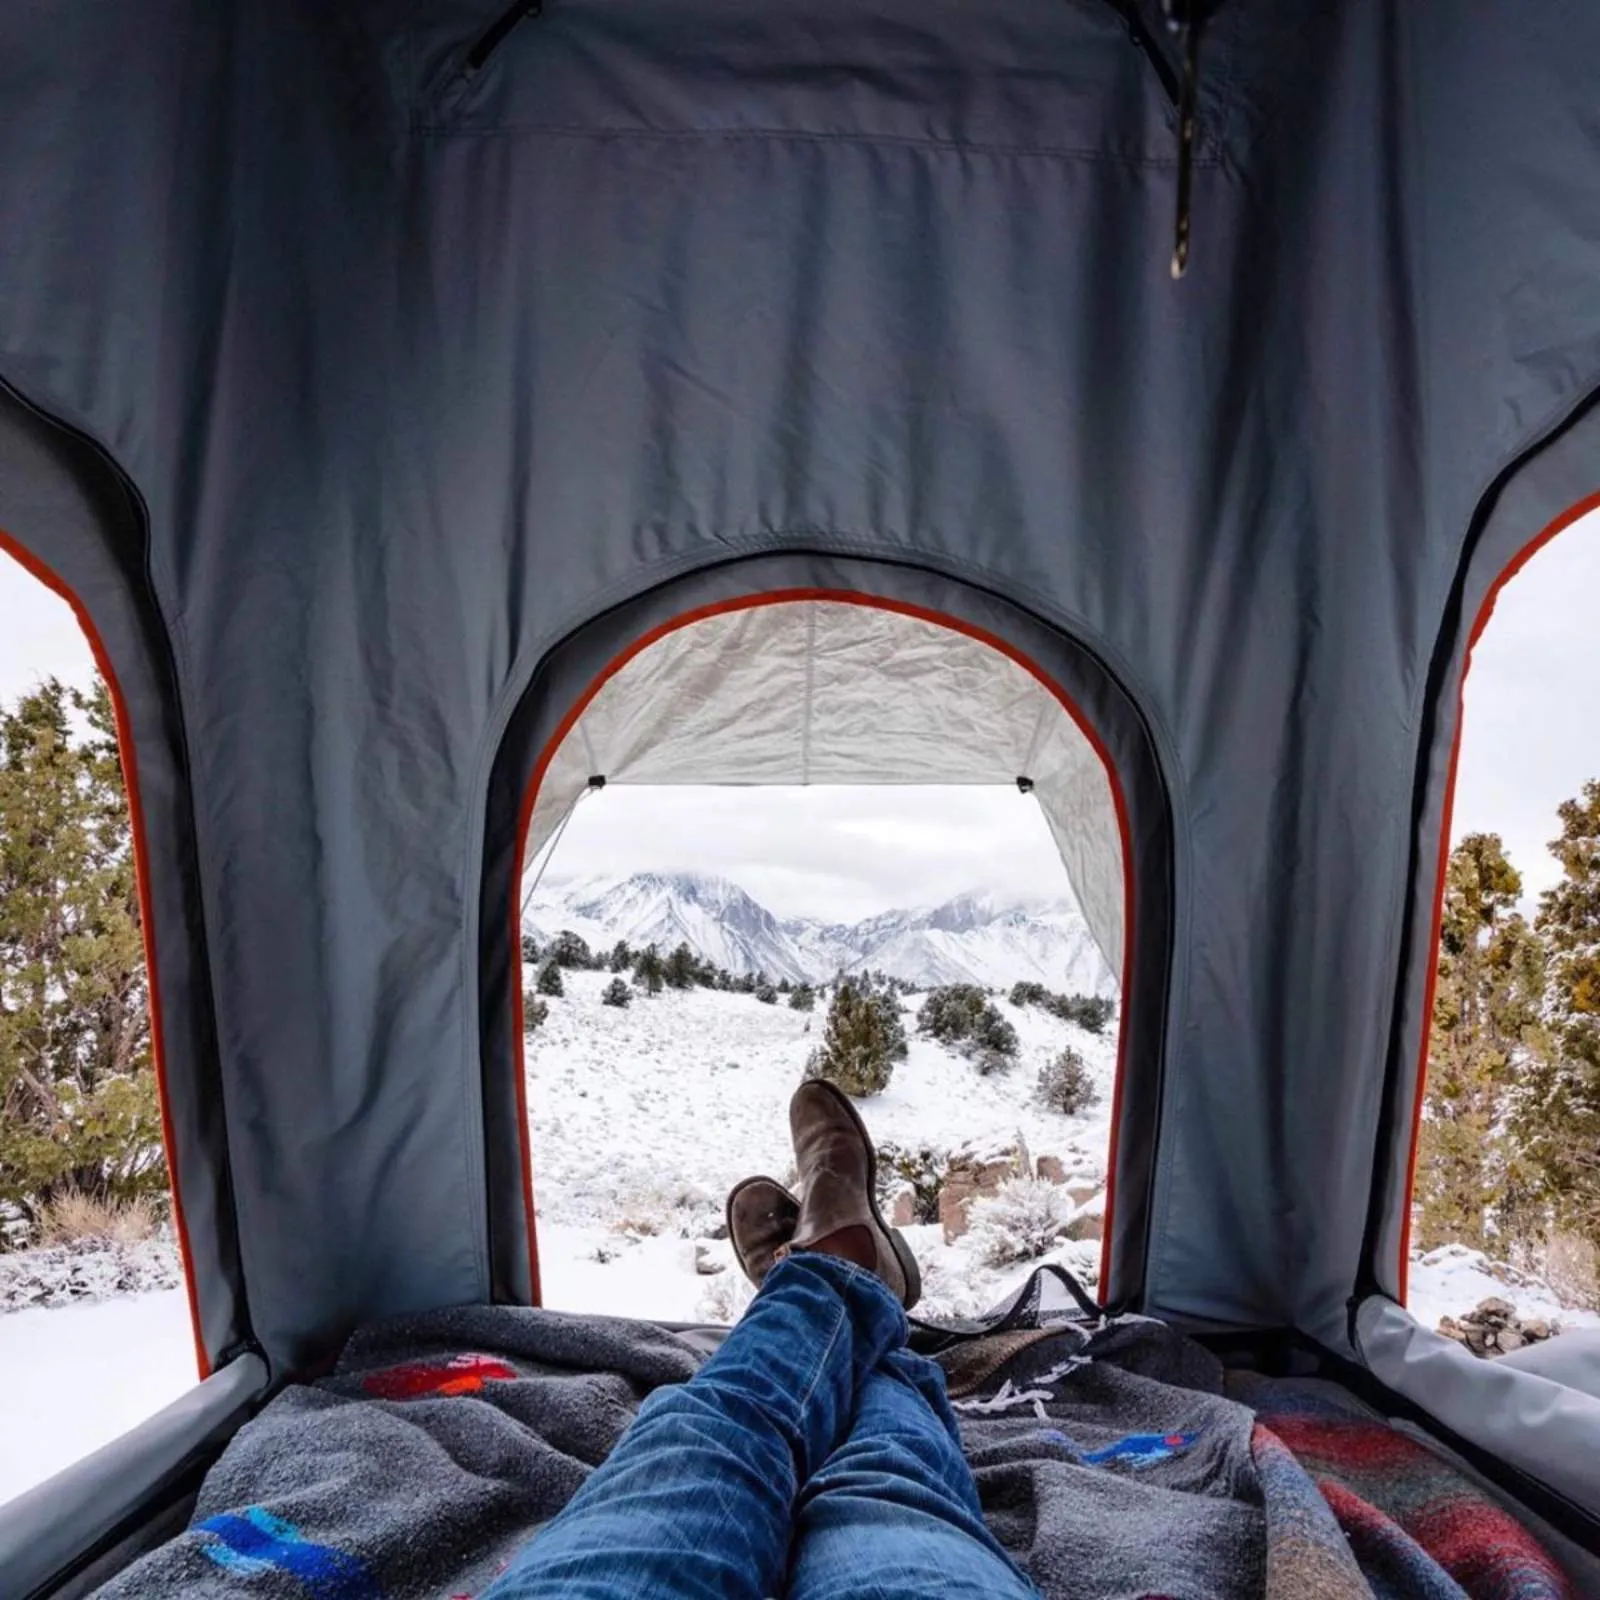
[
  {"x": 893, "y": 1513},
  {"x": 698, "y": 1497}
]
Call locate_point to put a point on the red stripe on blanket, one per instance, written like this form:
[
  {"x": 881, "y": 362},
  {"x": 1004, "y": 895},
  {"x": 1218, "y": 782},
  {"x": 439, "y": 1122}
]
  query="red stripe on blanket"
[
  {"x": 464, "y": 1374},
  {"x": 1349, "y": 1446}
]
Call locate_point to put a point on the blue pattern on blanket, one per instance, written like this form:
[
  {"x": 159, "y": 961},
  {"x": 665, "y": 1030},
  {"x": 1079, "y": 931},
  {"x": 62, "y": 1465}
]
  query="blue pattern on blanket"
[{"x": 257, "y": 1542}]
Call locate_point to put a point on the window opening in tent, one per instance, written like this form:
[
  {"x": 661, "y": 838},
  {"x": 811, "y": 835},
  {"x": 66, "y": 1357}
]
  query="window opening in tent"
[
  {"x": 1506, "y": 1200},
  {"x": 810, "y": 691},
  {"x": 683, "y": 955},
  {"x": 94, "y": 1324}
]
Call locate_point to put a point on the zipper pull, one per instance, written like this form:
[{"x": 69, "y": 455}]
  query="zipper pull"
[
  {"x": 494, "y": 35},
  {"x": 1181, "y": 20}
]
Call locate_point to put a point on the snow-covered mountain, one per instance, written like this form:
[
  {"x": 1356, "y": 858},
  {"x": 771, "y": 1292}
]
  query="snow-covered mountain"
[
  {"x": 975, "y": 938},
  {"x": 714, "y": 917}
]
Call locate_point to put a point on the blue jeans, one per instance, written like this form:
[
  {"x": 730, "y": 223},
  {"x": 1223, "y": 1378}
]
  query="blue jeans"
[{"x": 813, "y": 1456}]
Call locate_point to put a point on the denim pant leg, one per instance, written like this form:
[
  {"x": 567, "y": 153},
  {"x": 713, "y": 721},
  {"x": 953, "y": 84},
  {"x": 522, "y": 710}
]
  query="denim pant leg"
[
  {"x": 893, "y": 1513},
  {"x": 697, "y": 1500}
]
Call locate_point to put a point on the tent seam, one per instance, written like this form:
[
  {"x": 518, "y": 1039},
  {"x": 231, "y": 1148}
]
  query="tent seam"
[{"x": 647, "y": 136}]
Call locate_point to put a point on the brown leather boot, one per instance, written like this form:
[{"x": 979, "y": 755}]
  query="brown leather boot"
[
  {"x": 761, "y": 1219},
  {"x": 838, "y": 1203}
]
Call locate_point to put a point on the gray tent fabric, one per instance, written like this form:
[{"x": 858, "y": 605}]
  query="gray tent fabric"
[
  {"x": 1546, "y": 1425},
  {"x": 405, "y": 362}
]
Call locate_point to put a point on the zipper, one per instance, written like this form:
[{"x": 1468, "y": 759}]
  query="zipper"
[
  {"x": 1145, "y": 40},
  {"x": 495, "y": 35}
]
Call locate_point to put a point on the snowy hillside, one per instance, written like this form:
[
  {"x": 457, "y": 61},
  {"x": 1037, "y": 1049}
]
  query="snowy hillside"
[
  {"x": 644, "y": 1117},
  {"x": 975, "y": 938}
]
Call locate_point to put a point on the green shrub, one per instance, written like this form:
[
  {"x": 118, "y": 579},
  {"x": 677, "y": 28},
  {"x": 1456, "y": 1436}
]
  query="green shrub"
[
  {"x": 1065, "y": 1084},
  {"x": 1087, "y": 1011},
  {"x": 681, "y": 970},
  {"x": 962, "y": 1015},
  {"x": 922, "y": 1166},
  {"x": 649, "y": 970},
  {"x": 534, "y": 1011},
  {"x": 804, "y": 998},
  {"x": 78, "y": 1108},
  {"x": 863, "y": 1040},
  {"x": 766, "y": 994},
  {"x": 568, "y": 950},
  {"x": 616, "y": 993},
  {"x": 550, "y": 979}
]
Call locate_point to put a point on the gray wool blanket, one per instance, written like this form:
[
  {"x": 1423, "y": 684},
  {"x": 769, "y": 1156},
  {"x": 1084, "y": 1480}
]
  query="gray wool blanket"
[{"x": 1108, "y": 1461}]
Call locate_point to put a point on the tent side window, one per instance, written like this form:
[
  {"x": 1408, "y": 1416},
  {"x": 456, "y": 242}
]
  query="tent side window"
[
  {"x": 90, "y": 1296},
  {"x": 1506, "y": 1204}
]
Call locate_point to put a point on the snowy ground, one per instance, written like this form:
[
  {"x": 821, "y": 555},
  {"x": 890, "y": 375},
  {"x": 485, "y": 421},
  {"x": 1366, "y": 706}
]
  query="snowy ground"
[
  {"x": 77, "y": 1377},
  {"x": 1452, "y": 1279},
  {"x": 642, "y": 1118}
]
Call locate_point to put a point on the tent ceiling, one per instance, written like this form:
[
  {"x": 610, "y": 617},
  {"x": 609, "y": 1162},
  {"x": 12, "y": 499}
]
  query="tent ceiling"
[{"x": 831, "y": 692}]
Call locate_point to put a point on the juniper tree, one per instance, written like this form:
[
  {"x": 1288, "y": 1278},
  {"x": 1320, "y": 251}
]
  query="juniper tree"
[
  {"x": 863, "y": 1040},
  {"x": 681, "y": 970},
  {"x": 963, "y": 1015},
  {"x": 649, "y": 970},
  {"x": 568, "y": 949},
  {"x": 78, "y": 1107},
  {"x": 1559, "y": 1115},
  {"x": 1484, "y": 1041}
]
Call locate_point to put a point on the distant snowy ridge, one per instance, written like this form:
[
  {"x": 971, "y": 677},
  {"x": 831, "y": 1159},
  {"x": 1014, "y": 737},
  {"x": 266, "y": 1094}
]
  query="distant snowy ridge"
[{"x": 975, "y": 938}]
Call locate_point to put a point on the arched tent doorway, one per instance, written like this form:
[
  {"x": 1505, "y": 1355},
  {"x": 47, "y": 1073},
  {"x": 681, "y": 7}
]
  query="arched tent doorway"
[{"x": 874, "y": 676}]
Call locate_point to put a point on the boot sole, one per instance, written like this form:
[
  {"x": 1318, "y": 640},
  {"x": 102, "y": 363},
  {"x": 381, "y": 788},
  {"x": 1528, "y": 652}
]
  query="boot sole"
[
  {"x": 727, "y": 1213},
  {"x": 902, "y": 1251}
]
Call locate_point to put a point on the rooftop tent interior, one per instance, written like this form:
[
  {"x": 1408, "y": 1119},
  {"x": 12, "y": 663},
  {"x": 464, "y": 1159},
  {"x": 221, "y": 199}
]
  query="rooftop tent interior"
[{"x": 374, "y": 378}]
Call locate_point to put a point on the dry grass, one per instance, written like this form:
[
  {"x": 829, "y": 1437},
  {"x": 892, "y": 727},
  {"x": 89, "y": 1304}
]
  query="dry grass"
[
  {"x": 644, "y": 1227},
  {"x": 82, "y": 1219}
]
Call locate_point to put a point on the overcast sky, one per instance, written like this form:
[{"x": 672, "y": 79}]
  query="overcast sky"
[{"x": 1532, "y": 738}]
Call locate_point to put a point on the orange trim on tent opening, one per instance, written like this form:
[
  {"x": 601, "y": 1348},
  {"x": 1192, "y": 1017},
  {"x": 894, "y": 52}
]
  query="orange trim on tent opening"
[
  {"x": 1485, "y": 611},
  {"x": 835, "y": 597},
  {"x": 141, "y": 877}
]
